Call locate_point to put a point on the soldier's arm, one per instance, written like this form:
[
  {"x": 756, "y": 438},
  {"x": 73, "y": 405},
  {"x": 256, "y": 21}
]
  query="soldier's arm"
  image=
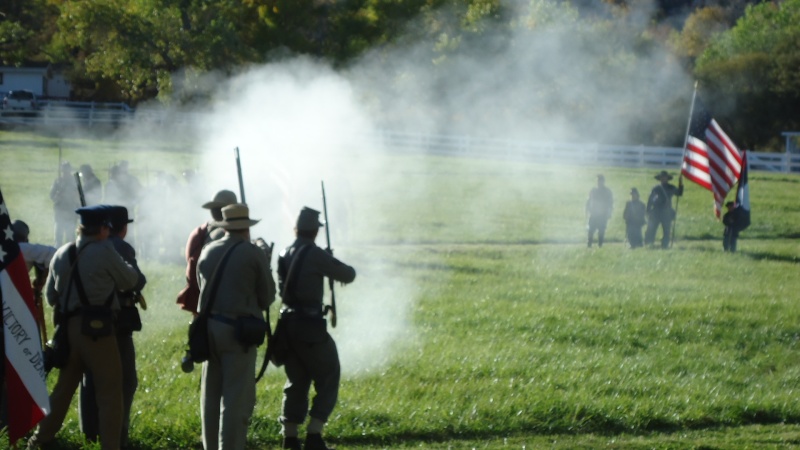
[
  {"x": 124, "y": 275},
  {"x": 332, "y": 267},
  {"x": 265, "y": 283},
  {"x": 37, "y": 253}
]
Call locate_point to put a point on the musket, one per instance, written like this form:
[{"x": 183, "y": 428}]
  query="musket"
[
  {"x": 332, "y": 306},
  {"x": 80, "y": 188},
  {"x": 38, "y": 284},
  {"x": 239, "y": 170}
]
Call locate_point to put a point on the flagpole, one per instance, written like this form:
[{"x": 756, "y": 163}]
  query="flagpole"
[{"x": 683, "y": 155}]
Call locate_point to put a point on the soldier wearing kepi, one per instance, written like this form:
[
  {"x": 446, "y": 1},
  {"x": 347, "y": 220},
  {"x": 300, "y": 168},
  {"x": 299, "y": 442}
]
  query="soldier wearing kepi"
[
  {"x": 235, "y": 275},
  {"x": 199, "y": 237},
  {"x": 312, "y": 356},
  {"x": 82, "y": 284},
  {"x": 128, "y": 321}
]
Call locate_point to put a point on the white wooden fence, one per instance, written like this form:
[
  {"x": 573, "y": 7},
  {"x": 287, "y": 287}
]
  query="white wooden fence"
[
  {"x": 565, "y": 153},
  {"x": 59, "y": 115}
]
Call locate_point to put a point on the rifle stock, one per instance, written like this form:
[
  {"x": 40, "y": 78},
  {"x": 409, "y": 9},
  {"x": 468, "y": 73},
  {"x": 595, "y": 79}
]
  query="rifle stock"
[{"x": 332, "y": 306}]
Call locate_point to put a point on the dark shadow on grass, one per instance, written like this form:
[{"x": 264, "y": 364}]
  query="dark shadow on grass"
[
  {"x": 602, "y": 426},
  {"x": 764, "y": 256}
]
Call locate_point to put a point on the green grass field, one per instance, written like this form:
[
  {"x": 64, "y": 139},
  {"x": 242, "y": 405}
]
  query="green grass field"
[{"x": 479, "y": 319}]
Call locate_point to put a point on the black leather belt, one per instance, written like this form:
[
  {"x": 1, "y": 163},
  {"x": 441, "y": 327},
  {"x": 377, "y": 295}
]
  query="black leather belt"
[{"x": 223, "y": 319}]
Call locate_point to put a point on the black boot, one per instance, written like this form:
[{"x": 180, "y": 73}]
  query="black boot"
[
  {"x": 314, "y": 442},
  {"x": 292, "y": 443}
]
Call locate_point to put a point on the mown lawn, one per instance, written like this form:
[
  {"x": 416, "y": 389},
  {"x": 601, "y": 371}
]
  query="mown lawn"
[{"x": 479, "y": 319}]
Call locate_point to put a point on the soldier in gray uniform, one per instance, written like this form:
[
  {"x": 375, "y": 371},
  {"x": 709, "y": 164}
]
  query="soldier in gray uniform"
[
  {"x": 312, "y": 357},
  {"x": 244, "y": 288},
  {"x": 65, "y": 197},
  {"x": 102, "y": 272},
  {"x": 127, "y": 322},
  {"x": 599, "y": 207}
]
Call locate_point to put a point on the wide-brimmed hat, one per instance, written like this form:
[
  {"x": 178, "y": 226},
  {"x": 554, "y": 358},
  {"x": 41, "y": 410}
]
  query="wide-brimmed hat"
[
  {"x": 308, "y": 220},
  {"x": 221, "y": 199},
  {"x": 236, "y": 217},
  {"x": 663, "y": 174}
]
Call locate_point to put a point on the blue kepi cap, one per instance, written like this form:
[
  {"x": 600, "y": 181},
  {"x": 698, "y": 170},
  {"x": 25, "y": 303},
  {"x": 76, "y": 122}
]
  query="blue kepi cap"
[{"x": 95, "y": 215}]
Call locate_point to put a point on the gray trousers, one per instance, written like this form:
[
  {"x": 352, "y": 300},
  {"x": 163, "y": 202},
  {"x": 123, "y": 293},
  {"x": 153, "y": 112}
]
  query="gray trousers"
[
  {"x": 308, "y": 363},
  {"x": 89, "y": 420},
  {"x": 656, "y": 219},
  {"x": 228, "y": 389},
  {"x": 101, "y": 357}
]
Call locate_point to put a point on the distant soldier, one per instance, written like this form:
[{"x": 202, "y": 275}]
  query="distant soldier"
[
  {"x": 732, "y": 227},
  {"x": 599, "y": 207},
  {"x": 659, "y": 209},
  {"x": 128, "y": 321},
  {"x": 92, "y": 186},
  {"x": 35, "y": 255},
  {"x": 199, "y": 237},
  {"x": 312, "y": 357},
  {"x": 88, "y": 272},
  {"x": 634, "y": 216},
  {"x": 65, "y": 197},
  {"x": 123, "y": 188},
  {"x": 238, "y": 273}
]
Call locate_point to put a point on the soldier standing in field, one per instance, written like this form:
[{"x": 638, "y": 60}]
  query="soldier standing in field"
[
  {"x": 87, "y": 272},
  {"x": 659, "y": 209},
  {"x": 65, "y": 197},
  {"x": 599, "y": 207},
  {"x": 198, "y": 238},
  {"x": 236, "y": 276},
  {"x": 128, "y": 321},
  {"x": 732, "y": 227},
  {"x": 634, "y": 216},
  {"x": 312, "y": 356}
]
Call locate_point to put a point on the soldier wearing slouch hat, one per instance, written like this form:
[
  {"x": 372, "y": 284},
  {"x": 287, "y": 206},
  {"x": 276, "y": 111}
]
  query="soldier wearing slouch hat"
[{"x": 235, "y": 278}]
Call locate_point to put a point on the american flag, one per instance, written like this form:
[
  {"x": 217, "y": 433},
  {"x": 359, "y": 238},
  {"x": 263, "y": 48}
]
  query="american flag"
[
  {"x": 710, "y": 159},
  {"x": 26, "y": 388}
]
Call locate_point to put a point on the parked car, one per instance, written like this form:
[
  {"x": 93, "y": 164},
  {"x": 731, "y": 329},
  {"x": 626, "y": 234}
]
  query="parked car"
[{"x": 20, "y": 100}]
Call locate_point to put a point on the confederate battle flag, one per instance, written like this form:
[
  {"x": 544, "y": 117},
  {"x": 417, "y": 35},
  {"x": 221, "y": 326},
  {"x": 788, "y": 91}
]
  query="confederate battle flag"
[{"x": 23, "y": 369}]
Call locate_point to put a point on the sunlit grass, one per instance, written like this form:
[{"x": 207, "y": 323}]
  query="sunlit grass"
[{"x": 514, "y": 333}]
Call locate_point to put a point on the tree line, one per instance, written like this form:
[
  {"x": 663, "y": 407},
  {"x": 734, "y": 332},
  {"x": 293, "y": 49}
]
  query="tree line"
[{"x": 744, "y": 54}]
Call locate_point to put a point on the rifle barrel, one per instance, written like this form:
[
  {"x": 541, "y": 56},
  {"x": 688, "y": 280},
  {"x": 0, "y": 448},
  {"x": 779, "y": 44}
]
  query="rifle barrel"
[
  {"x": 80, "y": 188},
  {"x": 239, "y": 171},
  {"x": 328, "y": 241}
]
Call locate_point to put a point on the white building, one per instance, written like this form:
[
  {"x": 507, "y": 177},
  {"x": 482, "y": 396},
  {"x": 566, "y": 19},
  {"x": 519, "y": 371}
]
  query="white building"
[{"x": 42, "y": 80}]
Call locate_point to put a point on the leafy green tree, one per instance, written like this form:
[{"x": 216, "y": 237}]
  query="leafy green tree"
[
  {"x": 132, "y": 49},
  {"x": 25, "y": 28},
  {"x": 700, "y": 28},
  {"x": 750, "y": 75}
]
